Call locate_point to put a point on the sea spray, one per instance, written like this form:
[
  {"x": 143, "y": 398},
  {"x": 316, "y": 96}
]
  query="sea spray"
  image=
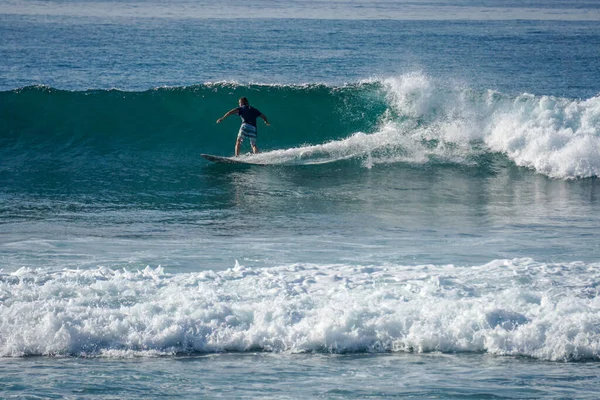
[
  {"x": 554, "y": 136},
  {"x": 412, "y": 119},
  {"x": 505, "y": 307}
]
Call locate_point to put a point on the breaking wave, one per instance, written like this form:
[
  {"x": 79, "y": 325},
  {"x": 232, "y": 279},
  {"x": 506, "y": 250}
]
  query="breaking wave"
[{"x": 412, "y": 119}]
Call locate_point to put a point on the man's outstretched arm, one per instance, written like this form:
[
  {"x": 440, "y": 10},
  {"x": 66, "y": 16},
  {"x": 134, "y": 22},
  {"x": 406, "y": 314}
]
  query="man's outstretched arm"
[
  {"x": 229, "y": 113},
  {"x": 264, "y": 117}
]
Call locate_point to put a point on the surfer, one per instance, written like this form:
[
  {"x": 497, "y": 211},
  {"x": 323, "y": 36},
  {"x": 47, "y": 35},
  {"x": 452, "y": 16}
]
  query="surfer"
[{"x": 248, "y": 128}]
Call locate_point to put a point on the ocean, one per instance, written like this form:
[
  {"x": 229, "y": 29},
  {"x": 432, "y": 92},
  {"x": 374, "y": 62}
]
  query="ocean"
[{"x": 422, "y": 222}]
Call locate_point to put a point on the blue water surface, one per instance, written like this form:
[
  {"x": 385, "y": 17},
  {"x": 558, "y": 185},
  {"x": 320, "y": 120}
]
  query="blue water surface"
[{"x": 496, "y": 208}]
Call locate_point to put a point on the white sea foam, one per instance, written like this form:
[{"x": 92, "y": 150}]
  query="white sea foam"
[
  {"x": 428, "y": 120},
  {"x": 505, "y": 307},
  {"x": 557, "y": 137}
]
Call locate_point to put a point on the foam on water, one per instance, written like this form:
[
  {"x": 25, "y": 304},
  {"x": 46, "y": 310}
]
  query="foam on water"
[
  {"x": 506, "y": 307},
  {"x": 557, "y": 137},
  {"x": 413, "y": 118},
  {"x": 427, "y": 121}
]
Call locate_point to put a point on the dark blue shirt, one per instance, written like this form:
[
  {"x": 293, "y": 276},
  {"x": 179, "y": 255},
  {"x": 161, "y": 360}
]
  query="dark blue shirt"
[{"x": 248, "y": 114}]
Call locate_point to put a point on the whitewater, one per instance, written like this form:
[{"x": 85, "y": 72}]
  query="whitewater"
[
  {"x": 425, "y": 122},
  {"x": 413, "y": 119},
  {"x": 507, "y": 307},
  {"x": 422, "y": 222}
]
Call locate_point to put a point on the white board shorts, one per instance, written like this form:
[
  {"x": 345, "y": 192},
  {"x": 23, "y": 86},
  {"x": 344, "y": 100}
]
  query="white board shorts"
[{"x": 247, "y": 131}]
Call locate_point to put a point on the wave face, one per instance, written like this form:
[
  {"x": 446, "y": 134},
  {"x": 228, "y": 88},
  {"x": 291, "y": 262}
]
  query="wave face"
[
  {"x": 411, "y": 119},
  {"x": 505, "y": 307}
]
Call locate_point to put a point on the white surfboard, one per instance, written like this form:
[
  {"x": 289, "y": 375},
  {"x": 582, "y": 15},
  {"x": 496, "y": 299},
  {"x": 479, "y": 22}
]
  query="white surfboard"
[{"x": 229, "y": 160}]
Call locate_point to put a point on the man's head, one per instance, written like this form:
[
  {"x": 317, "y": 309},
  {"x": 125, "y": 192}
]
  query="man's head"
[{"x": 243, "y": 101}]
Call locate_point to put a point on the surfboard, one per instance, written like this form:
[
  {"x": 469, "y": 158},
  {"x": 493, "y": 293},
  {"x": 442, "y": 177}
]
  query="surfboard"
[{"x": 228, "y": 160}]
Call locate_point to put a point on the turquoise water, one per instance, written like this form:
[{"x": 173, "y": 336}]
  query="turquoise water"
[
  {"x": 424, "y": 224},
  {"x": 302, "y": 376}
]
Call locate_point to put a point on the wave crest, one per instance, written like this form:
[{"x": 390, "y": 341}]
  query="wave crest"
[
  {"x": 412, "y": 118},
  {"x": 506, "y": 307}
]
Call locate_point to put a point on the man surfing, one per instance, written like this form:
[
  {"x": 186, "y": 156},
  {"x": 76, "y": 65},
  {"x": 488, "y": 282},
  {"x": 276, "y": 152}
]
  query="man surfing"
[{"x": 248, "y": 128}]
